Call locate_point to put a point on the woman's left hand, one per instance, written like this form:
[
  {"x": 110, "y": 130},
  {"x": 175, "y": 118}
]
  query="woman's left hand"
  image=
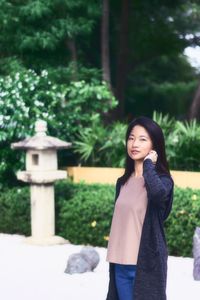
[{"x": 153, "y": 156}]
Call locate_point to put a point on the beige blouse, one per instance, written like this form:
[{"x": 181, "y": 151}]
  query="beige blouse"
[{"x": 127, "y": 222}]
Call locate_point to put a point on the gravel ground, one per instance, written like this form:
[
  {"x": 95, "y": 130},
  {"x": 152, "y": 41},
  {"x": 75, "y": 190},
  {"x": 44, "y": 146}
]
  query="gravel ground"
[{"x": 37, "y": 272}]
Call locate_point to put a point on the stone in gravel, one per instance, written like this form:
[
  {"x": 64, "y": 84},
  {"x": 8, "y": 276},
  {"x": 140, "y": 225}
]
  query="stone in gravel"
[
  {"x": 85, "y": 261},
  {"x": 77, "y": 264},
  {"x": 196, "y": 254},
  {"x": 91, "y": 256}
]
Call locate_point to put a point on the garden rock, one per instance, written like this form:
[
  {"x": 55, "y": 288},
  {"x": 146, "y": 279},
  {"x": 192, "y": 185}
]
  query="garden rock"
[
  {"x": 196, "y": 254},
  {"x": 85, "y": 261},
  {"x": 91, "y": 256},
  {"x": 77, "y": 264}
]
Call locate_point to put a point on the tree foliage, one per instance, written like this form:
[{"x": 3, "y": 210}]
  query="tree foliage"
[{"x": 37, "y": 31}]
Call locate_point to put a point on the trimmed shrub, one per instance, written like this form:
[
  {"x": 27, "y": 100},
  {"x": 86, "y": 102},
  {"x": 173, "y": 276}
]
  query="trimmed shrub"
[
  {"x": 85, "y": 217},
  {"x": 84, "y": 213},
  {"x": 15, "y": 211},
  {"x": 182, "y": 221}
]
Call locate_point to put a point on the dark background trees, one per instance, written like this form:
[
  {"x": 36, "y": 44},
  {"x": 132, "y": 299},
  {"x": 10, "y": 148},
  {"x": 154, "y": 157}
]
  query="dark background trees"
[{"x": 135, "y": 46}]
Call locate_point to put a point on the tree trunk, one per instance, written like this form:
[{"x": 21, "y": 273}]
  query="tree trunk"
[
  {"x": 195, "y": 106},
  {"x": 122, "y": 60},
  {"x": 72, "y": 48},
  {"x": 105, "y": 55}
]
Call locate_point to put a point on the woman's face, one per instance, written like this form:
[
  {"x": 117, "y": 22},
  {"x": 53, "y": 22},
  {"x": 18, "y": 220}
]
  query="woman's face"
[{"x": 139, "y": 143}]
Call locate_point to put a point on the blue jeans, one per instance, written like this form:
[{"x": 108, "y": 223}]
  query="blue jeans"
[{"x": 124, "y": 279}]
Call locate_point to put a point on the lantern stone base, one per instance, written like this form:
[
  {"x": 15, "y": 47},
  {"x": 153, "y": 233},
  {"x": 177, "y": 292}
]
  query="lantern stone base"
[{"x": 46, "y": 241}]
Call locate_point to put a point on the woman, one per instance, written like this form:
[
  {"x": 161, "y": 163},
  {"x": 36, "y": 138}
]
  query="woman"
[{"x": 137, "y": 250}]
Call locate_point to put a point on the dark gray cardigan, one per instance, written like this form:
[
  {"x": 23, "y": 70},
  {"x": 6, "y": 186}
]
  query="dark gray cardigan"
[{"x": 151, "y": 272}]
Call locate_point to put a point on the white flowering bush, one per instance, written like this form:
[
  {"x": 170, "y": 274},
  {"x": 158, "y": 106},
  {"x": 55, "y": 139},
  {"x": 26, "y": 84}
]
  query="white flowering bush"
[
  {"x": 27, "y": 96},
  {"x": 24, "y": 98}
]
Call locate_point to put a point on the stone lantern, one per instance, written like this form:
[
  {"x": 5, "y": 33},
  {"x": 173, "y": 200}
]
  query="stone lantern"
[{"x": 41, "y": 172}]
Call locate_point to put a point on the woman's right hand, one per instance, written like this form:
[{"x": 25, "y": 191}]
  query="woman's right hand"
[{"x": 153, "y": 156}]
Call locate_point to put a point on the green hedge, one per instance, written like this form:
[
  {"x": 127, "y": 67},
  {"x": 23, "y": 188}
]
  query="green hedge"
[
  {"x": 184, "y": 218},
  {"x": 84, "y": 212},
  {"x": 86, "y": 216},
  {"x": 15, "y": 211}
]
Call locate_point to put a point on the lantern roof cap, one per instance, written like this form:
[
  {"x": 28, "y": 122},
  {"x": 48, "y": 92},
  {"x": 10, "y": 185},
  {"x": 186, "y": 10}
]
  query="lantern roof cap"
[{"x": 41, "y": 141}]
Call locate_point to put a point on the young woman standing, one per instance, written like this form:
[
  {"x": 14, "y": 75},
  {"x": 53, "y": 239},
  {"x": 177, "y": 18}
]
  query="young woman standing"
[{"x": 137, "y": 251}]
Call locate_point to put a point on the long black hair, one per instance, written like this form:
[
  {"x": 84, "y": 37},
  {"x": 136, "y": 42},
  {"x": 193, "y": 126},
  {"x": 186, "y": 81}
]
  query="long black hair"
[{"x": 158, "y": 141}]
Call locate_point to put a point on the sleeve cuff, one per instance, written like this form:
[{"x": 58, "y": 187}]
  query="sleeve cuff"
[{"x": 147, "y": 163}]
